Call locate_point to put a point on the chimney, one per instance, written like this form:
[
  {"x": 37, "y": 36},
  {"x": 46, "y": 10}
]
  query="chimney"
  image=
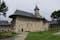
[{"x": 36, "y": 10}]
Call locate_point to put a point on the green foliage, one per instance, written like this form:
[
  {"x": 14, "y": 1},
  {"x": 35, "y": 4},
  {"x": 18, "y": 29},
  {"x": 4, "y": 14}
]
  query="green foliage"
[
  {"x": 3, "y": 7},
  {"x": 56, "y": 14}
]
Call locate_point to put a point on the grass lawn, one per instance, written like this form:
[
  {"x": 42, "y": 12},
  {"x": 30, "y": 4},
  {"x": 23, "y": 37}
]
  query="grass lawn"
[
  {"x": 7, "y": 34},
  {"x": 43, "y": 35}
]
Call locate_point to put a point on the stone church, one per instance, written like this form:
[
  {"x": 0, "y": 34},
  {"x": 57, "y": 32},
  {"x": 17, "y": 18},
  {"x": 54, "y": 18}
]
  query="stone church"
[{"x": 28, "y": 22}]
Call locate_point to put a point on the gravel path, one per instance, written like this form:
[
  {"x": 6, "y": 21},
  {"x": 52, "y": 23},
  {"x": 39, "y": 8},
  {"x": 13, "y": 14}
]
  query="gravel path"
[{"x": 22, "y": 36}]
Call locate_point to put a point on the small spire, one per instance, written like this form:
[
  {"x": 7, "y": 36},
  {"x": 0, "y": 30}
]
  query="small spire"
[{"x": 36, "y": 8}]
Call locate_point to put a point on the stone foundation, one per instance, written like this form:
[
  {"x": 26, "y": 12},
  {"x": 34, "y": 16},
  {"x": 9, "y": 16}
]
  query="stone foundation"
[{"x": 6, "y": 29}]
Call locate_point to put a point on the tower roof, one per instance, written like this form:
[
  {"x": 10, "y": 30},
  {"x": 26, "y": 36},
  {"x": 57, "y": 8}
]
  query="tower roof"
[{"x": 36, "y": 8}]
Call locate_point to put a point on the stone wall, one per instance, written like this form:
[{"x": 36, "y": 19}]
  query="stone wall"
[
  {"x": 31, "y": 25},
  {"x": 6, "y": 28}
]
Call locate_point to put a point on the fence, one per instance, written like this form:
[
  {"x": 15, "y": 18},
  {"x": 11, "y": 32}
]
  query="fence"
[{"x": 54, "y": 27}]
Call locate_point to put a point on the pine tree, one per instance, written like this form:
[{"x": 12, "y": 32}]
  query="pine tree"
[{"x": 3, "y": 7}]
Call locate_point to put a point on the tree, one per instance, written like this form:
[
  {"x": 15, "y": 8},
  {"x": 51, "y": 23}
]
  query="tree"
[
  {"x": 3, "y": 7},
  {"x": 55, "y": 14}
]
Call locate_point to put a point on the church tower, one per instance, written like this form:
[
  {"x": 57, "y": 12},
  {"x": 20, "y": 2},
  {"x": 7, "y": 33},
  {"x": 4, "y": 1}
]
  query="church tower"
[{"x": 36, "y": 10}]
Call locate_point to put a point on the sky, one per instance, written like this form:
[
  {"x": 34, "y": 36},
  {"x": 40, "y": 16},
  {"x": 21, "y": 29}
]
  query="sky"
[{"x": 46, "y": 6}]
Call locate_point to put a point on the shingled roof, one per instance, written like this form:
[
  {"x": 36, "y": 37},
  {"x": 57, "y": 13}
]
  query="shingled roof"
[
  {"x": 57, "y": 21},
  {"x": 4, "y": 23},
  {"x": 23, "y": 13},
  {"x": 36, "y": 8}
]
